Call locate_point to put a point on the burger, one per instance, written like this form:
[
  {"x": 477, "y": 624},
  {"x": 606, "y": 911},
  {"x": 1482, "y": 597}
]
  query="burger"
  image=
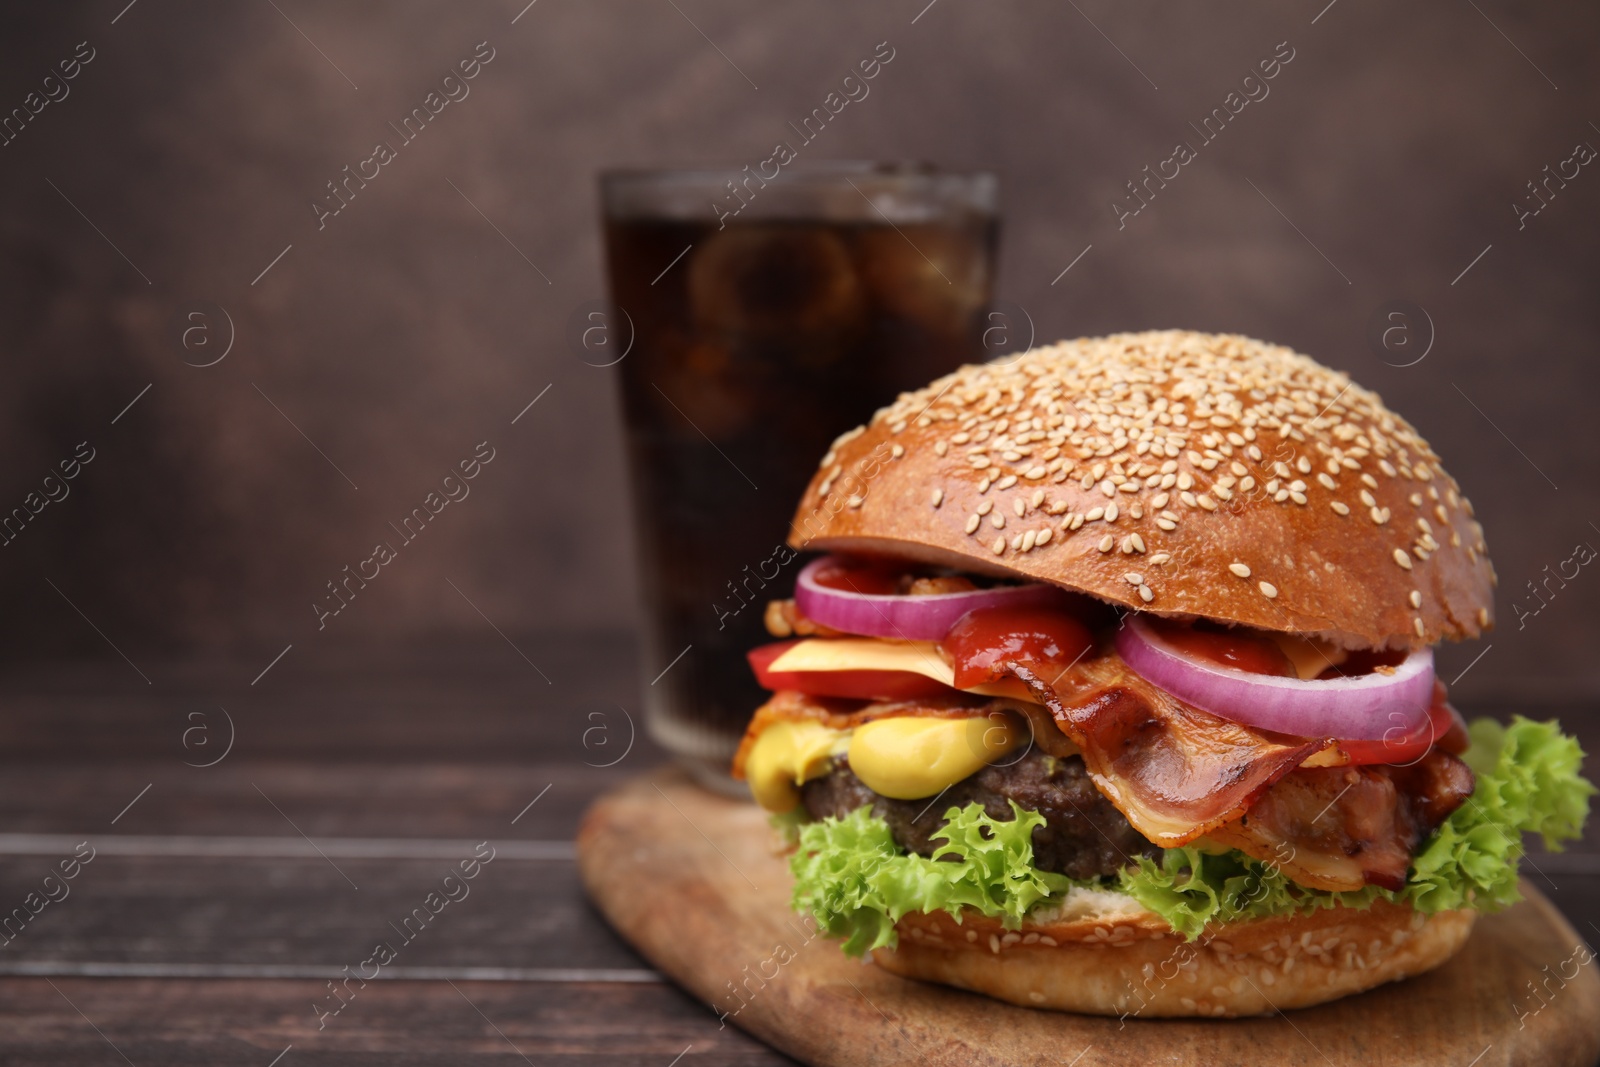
[{"x": 1113, "y": 691}]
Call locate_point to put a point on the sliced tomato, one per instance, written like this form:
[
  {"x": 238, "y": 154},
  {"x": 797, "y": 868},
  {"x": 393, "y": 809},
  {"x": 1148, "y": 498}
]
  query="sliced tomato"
[
  {"x": 858, "y": 685},
  {"x": 1443, "y": 726}
]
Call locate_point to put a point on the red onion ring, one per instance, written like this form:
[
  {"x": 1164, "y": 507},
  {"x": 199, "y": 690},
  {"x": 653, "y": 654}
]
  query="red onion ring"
[
  {"x": 1367, "y": 707},
  {"x": 909, "y": 618}
]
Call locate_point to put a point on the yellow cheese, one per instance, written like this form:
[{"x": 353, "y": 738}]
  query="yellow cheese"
[
  {"x": 786, "y": 755},
  {"x": 1309, "y": 655},
  {"x": 874, "y": 654},
  {"x": 866, "y": 654},
  {"x": 908, "y": 757}
]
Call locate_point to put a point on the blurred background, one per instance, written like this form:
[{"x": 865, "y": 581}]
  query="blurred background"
[{"x": 356, "y": 357}]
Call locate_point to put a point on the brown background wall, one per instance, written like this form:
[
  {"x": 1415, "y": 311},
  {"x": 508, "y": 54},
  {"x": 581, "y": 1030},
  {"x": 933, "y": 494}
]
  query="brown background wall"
[{"x": 408, "y": 330}]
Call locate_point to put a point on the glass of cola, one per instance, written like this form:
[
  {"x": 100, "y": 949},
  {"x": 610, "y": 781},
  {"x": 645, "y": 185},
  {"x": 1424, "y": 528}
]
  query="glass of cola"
[{"x": 751, "y": 321}]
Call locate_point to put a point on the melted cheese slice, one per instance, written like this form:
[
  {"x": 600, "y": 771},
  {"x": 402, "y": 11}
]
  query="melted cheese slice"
[
  {"x": 874, "y": 654},
  {"x": 908, "y": 758},
  {"x": 786, "y": 755}
]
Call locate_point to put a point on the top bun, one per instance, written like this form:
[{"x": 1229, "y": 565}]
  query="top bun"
[{"x": 1183, "y": 474}]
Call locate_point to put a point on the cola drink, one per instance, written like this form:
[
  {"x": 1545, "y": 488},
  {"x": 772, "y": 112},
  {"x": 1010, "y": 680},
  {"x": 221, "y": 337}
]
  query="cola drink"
[{"x": 758, "y": 336}]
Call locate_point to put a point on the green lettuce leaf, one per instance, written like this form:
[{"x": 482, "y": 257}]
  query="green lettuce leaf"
[{"x": 857, "y": 882}]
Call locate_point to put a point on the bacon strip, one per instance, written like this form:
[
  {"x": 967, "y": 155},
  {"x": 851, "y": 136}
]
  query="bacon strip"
[
  {"x": 1346, "y": 827},
  {"x": 1173, "y": 771}
]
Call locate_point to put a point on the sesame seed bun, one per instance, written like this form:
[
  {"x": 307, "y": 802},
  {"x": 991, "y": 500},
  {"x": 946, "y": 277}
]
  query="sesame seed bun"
[
  {"x": 1184, "y": 474},
  {"x": 1102, "y": 954}
]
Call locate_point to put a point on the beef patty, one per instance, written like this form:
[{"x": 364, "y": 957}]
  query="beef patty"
[{"x": 1083, "y": 835}]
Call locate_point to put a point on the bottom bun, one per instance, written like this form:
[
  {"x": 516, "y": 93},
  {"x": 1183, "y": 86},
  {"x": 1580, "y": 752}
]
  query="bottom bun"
[{"x": 1101, "y": 953}]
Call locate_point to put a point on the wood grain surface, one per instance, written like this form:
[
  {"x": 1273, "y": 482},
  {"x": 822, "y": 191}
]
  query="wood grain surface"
[{"x": 694, "y": 881}]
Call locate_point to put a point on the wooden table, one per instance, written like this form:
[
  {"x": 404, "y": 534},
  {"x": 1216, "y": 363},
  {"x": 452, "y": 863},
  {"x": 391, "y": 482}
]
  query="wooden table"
[{"x": 222, "y": 900}]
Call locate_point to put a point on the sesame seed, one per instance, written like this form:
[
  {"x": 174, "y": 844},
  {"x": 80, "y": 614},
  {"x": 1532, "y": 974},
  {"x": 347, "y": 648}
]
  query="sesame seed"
[
  {"x": 1034, "y": 473},
  {"x": 1240, "y": 569},
  {"x": 856, "y": 501},
  {"x": 1187, "y": 498},
  {"x": 1043, "y": 537},
  {"x": 998, "y": 521},
  {"x": 999, "y": 545},
  {"x": 1019, "y": 506},
  {"x": 1268, "y": 590},
  {"x": 1094, "y": 514},
  {"x": 1137, "y": 542},
  {"x": 1327, "y": 481},
  {"x": 1160, "y": 558},
  {"x": 1111, "y": 513},
  {"x": 972, "y": 523},
  {"x": 1077, "y": 521},
  {"x": 1339, "y": 507},
  {"x": 1166, "y": 524},
  {"x": 1007, "y": 482},
  {"x": 1133, "y": 578},
  {"x": 1401, "y": 558},
  {"x": 1417, "y": 622},
  {"x": 1145, "y": 594},
  {"x": 1416, "y": 598},
  {"x": 1029, "y": 539},
  {"x": 1380, "y": 515},
  {"x": 1211, "y": 505},
  {"x": 1158, "y": 501},
  {"x": 896, "y": 451},
  {"x": 1107, "y": 542},
  {"x": 938, "y": 497},
  {"x": 1185, "y": 480},
  {"x": 984, "y": 508},
  {"x": 1038, "y": 497},
  {"x": 941, "y": 448}
]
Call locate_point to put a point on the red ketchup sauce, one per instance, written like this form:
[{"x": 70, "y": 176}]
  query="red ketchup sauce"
[
  {"x": 985, "y": 639},
  {"x": 866, "y": 577},
  {"x": 1238, "y": 649}
]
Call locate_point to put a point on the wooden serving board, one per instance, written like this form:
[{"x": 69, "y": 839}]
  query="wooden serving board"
[{"x": 693, "y": 880}]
